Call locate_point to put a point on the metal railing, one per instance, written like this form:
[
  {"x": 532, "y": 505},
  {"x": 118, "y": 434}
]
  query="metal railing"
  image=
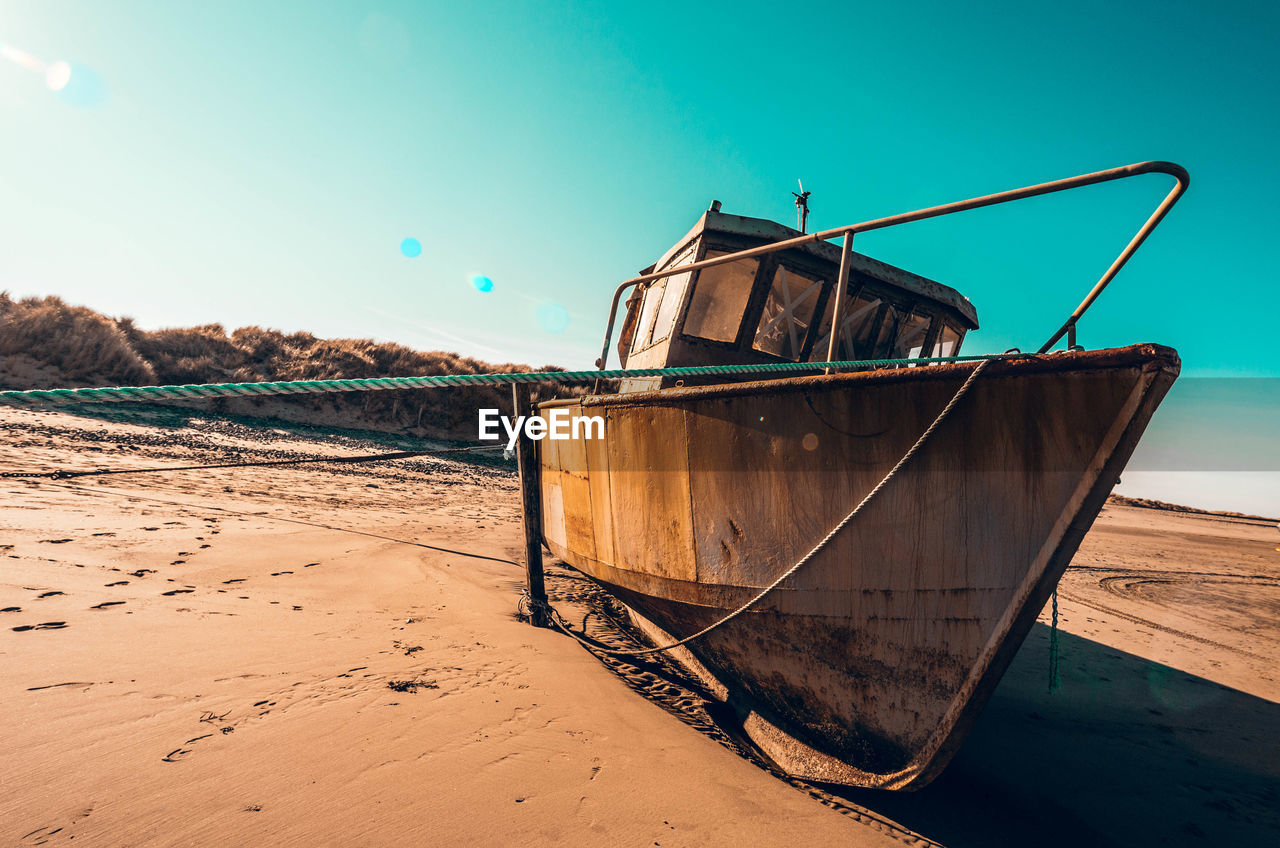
[{"x": 1068, "y": 328}]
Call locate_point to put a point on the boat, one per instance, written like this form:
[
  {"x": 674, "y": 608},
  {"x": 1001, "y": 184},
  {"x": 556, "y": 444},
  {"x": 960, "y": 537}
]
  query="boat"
[{"x": 867, "y": 666}]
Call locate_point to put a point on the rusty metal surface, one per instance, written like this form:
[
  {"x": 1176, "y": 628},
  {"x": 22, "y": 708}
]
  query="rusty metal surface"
[
  {"x": 878, "y": 655},
  {"x": 944, "y": 372}
]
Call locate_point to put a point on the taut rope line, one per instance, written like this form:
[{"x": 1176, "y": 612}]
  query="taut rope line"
[{"x": 142, "y": 394}]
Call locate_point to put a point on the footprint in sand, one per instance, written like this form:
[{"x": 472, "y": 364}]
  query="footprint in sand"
[
  {"x": 49, "y": 594},
  {"x": 278, "y": 573},
  {"x": 106, "y": 604},
  {"x": 178, "y": 592},
  {"x": 41, "y": 835},
  {"x": 55, "y": 541},
  {"x": 117, "y": 583},
  {"x": 178, "y": 562},
  {"x": 11, "y": 609},
  {"x": 44, "y": 625},
  {"x": 142, "y": 572},
  {"x": 175, "y": 755},
  {"x": 104, "y": 534}
]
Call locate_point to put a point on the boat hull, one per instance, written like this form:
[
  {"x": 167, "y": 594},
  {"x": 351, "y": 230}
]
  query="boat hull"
[{"x": 868, "y": 666}]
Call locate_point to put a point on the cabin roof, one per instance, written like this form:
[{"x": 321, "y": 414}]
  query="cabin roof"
[{"x": 770, "y": 231}]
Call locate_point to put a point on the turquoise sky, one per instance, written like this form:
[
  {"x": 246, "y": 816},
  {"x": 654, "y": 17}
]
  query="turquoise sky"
[{"x": 263, "y": 162}]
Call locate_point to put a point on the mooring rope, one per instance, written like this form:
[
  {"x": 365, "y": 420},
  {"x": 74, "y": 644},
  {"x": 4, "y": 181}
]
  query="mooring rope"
[
  {"x": 195, "y": 391},
  {"x": 377, "y": 457},
  {"x": 1055, "y": 678},
  {"x": 558, "y": 621}
]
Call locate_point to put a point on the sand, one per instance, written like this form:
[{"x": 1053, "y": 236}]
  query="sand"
[{"x": 329, "y": 655}]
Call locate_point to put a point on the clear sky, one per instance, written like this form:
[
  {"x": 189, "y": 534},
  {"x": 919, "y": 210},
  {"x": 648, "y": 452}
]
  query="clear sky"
[{"x": 262, "y": 163}]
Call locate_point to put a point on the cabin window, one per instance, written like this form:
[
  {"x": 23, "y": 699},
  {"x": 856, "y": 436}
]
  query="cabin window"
[
  {"x": 885, "y": 329},
  {"x": 788, "y": 312},
  {"x": 648, "y": 311},
  {"x": 948, "y": 342},
  {"x": 674, "y": 287},
  {"x": 912, "y": 329},
  {"x": 857, "y": 329},
  {"x": 719, "y": 298}
]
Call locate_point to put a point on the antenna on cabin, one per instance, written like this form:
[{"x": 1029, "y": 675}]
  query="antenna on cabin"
[{"x": 802, "y": 205}]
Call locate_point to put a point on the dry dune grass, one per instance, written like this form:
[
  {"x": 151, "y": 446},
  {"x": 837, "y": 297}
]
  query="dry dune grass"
[
  {"x": 88, "y": 348},
  {"x": 84, "y": 345}
]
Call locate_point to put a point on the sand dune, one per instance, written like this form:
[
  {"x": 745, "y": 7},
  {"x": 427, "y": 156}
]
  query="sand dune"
[{"x": 330, "y": 654}]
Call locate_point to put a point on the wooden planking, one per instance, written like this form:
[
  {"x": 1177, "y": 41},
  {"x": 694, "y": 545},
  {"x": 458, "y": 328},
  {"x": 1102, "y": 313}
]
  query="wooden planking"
[
  {"x": 553, "y": 520},
  {"x": 576, "y": 489},
  {"x": 649, "y": 492},
  {"x": 598, "y": 480},
  {"x": 745, "y": 475}
]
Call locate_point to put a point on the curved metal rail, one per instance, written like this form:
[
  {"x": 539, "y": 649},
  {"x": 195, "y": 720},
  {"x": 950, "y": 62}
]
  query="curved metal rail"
[{"x": 1068, "y": 328}]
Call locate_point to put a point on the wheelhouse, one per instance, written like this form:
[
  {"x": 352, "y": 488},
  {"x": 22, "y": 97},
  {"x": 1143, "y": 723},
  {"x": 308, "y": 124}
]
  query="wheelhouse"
[{"x": 778, "y": 307}]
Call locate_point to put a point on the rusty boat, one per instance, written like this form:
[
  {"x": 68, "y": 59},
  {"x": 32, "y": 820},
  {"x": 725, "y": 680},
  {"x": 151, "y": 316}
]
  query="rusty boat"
[{"x": 867, "y": 666}]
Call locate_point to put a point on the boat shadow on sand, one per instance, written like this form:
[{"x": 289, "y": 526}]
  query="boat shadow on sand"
[{"x": 1125, "y": 752}]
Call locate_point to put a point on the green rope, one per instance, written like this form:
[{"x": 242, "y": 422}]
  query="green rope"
[
  {"x": 374, "y": 384},
  {"x": 1055, "y": 678}
]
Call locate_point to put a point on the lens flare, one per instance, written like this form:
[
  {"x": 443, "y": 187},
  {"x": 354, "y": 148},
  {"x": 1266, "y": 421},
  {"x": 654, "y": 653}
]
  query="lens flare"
[
  {"x": 73, "y": 83},
  {"x": 482, "y": 283},
  {"x": 553, "y": 318},
  {"x": 84, "y": 89},
  {"x": 411, "y": 247},
  {"x": 57, "y": 75},
  {"x": 21, "y": 58}
]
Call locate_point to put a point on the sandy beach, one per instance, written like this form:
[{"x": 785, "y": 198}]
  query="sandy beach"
[{"x": 330, "y": 653}]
